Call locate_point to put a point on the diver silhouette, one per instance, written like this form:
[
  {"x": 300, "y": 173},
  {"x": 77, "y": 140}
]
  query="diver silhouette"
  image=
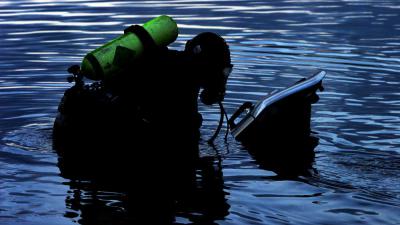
[
  {"x": 140, "y": 128},
  {"x": 146, "y": 116}
]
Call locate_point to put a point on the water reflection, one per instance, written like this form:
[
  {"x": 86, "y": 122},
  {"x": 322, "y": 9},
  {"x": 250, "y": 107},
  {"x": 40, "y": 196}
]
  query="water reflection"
[
  {"x": 289, "y": 157},
  {"x": 357, "y": 117},
  {"x": 105, "y": 189}
]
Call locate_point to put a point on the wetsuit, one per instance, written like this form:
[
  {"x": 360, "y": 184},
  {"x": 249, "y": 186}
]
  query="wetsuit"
[{"x": 163, "y": 87}]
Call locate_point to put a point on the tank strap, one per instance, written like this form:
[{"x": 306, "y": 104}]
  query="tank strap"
[
  {"x": 143, "y": 35},
  {"x": 95, "y": 63}
]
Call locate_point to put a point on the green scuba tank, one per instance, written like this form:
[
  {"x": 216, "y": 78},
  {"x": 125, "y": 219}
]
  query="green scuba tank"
[{"x": 112, "y": 57}]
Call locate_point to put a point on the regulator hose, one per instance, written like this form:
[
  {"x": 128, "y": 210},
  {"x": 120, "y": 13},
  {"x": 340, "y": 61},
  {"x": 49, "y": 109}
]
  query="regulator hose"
[{"x": 221, "y": 121}]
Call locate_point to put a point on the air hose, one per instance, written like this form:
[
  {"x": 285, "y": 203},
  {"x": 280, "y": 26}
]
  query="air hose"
[{"x": 221, "y": 121}]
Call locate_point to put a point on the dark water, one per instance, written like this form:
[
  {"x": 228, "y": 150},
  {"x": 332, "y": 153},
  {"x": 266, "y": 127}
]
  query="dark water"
[{"x": 355, "y": 175}]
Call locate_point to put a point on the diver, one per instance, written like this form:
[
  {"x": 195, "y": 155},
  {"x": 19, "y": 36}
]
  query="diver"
[
  {"x": 141, "y": 130},
  {"x": 168, "y": 90},
  {"x": 165, "y": 88},
  {"x": 148, "y": 107}
]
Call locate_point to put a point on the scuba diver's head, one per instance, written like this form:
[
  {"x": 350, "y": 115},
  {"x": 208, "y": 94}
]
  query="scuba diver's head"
[{"x": 212, "y": 62}]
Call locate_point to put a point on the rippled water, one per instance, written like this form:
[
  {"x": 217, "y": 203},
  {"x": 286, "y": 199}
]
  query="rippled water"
[{"x": 354, "y": 177}]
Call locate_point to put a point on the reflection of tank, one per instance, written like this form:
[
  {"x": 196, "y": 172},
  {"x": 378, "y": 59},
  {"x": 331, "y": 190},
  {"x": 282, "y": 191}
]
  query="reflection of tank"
[{"x": 279, "y": 114}]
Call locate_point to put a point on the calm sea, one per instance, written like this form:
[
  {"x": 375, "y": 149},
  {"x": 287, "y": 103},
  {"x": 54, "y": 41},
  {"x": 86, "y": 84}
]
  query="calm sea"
[{"x": 354, "y": 177}]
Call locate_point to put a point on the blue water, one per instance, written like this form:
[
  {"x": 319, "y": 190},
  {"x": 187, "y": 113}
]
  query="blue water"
[{"x": 355, "y": 175}]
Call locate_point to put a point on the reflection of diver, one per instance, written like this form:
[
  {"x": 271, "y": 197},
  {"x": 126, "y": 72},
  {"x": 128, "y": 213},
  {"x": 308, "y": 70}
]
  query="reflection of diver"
[
  {"x": 143, "y": 202},
  {"x": 206, "y": 203}
]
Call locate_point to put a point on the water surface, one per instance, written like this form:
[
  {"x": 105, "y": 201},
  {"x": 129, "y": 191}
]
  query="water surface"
[{"x": 354, "y": 177}]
